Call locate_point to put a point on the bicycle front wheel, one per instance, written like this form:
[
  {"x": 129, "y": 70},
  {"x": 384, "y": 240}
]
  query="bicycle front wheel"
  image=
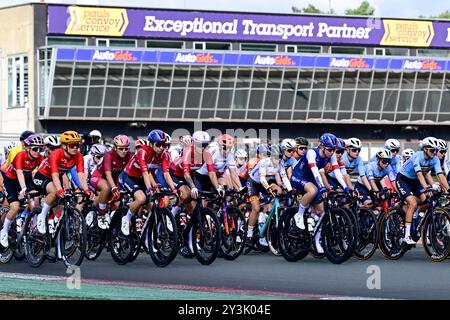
[
  {"x": 72, "y": 238},
  {"x": 233, "y": 242},
  {"x": 206, "y": 236},
  {"x": 436, "y": 235}
]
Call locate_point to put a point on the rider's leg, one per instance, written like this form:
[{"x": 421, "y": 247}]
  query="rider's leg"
[
  {"x": 49, "y": 201},
  {"x": 104, "y": 192},
  {"x": 310, "y": 193},
  {"x": 319, "y": 210},
  {"x": 10, "y": 216},
  {"x": 411, "y": 206}
]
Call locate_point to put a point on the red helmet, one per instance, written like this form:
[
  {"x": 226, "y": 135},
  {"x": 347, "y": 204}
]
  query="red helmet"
[
  {"x": 226, "y": 140},
  {"x": 139, "y": 143},
  {"x": 121, "y": 141}
]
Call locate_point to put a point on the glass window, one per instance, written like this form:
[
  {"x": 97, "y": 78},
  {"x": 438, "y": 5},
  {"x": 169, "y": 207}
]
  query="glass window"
[
  {"x": 164, "y": 76},
  {"x": 131, "y": 75},
  {"x": 98, "y": 74},
  {"x": 128, "y": 97},
  {"x": 404, "y": 101},
  {"x": 331, "y": 101},
  {"x": 347, "y": 99},
  {"x": 225, "y": 97},
  {"x": 271, "y": 100},
  {"x": 256, "y": 99},
  {"x": 116, "y": 43},
  {"x": 361, "y": 100},
  {"x": 390, "y": 100},
  {"x": 115, "y": 74},
  {"x": 218, "y": 46},
  {"x": 66, "y": 41},
  {"x": 165, "y": 44},
  {"x": 393, "y": 80},
  {"x": 78, "y": 96},
  {"x": 60, "y": 96},
  {"x": 17, "y": 81},
  {"x": 317, "y": 98},
  {"x": 199, "y": 45},
  {"x": 433, "y": 53},
  {"x": 419, "y": 101},
  {"x": 347, "y": 50},
  {"x": 144, "y": 98},
  {"x": 422, "y": 80},
  {"x": 309, "y": 49},
  {"x": 81, "y": 75},
  {"x": 112, "y": 96},
  {"x": 212, "y": 77},
  {"x": 433, "y": 101},
  {"x": 259, "y": 47},
  {"x": 391, "y": 51},
  {"x": 209, "y": 98},
  {"x": 408, "y": 80},
  {"x": 95, "y": 96},
  {"x": 148, "y": 75},
  {"x": 63, "y": 73}
]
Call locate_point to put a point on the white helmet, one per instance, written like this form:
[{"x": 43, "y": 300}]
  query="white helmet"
[
  {"x": 288, "y": 144},
  {"x": 186, "y": 140},
  {"x": 241, "y": 153},
  {"x": 10, "y": 146},
  {"x": 51, "y": 141},
  {"x": 95, "y": 133},
  {"x": 353, "y": 143},
  {"x": 392, "y": 144},
  {"x": 201, "y": 137},
  {"x": 429, "y": 142},
  {"x": 442, "y": 144},
  {"x": 98, "y": 149},
  {"x": 384, "y": 154},
  {"x": 407, "y": 153}
]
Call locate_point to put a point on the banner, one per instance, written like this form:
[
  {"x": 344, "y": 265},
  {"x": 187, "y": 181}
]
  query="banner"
[
  {"x": 244, "y": 59},
  {"x": 280, "y": 28}
]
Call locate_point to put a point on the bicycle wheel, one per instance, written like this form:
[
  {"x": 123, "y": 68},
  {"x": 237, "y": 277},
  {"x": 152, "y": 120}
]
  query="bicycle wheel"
[
  {"x": 367, "y": 239},
  {"x": 206, "y": 236},
  {"x": 338, "y": 236},
  {"x": 272, "y": 236},
  {"x": 436, "y": 235},
  {"x": 391, "y": 234},
  {"x": 119, "y": 244},
  {"x": 294, "y": 243},
  {"x": 232, "y": 244},
  {"x": 94, "y": 235},
  {"x": 72, "y": 238},
  {"x": 162, "y": 236},
  {"x": 36, "y": 245}
]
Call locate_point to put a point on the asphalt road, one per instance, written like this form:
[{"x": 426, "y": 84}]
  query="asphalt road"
[{"x": 412, "y": 277}]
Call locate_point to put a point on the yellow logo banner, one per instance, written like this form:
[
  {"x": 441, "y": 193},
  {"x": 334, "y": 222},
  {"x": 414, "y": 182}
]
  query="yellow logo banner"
[
  {"x": 97, "y": 21},
  {"x": 407, "y": 33}
]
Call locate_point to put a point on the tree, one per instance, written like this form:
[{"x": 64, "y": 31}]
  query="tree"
[
  {"x": 309, "y": 9},
  {"x": 364, "y": 9}
]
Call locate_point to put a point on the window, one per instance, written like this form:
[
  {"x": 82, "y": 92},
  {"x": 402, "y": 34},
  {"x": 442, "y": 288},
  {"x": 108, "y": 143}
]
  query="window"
[
  {"x": 66, "y": 41},
  {"x": 212, "y": 46},
  {"x": 116, "y": 43},
  {"x": 199, "y": 46},
  {"x": 433, "y": 53},
  {"x": 347, "y": 50},
  {"x": 165, "y": 44},
  {"x": 391, "y": 51},
  {"x": 258, "y": 47},
  {"x": 303, "y": 49},
  {"x": 17, "y": 81}
]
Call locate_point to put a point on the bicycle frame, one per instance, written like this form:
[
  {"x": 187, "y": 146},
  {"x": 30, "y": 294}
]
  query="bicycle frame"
[{"x": 273, "y": 211}]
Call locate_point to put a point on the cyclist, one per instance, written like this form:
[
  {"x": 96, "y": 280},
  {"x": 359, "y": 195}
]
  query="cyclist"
[
  {"x": 306, "y": 179},
  {"x": 15, "y": 150},
  {"x": 266, "y": 178},
  {"x": 139, "y": 143},
  {"x": 94, "y": 137},
  {"x": 241, "y": 160},
  {"x": 414, "y": 180},
  {"x": 330, "y": 182},
  {"x": 47, "y": 179},
  {"x": 51, "y": 143},
  {"x": 406, "y": 154},
  {"x": 138, "y": 175},
  {"x": 18, "y": 179},
  {"x": 105, "y": 177},
  {"x": 302, "y": 146},
  {"x": 288, "y": 161},
  {"x": 261, "y": 152},
  {"x": 393, "y": 145},
  {"x": 93, "y": 159}
]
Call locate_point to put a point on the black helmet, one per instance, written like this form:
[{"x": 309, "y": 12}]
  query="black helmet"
[
  {"x": 25, "y": 135},
  {"x": 301, "y": 141}
]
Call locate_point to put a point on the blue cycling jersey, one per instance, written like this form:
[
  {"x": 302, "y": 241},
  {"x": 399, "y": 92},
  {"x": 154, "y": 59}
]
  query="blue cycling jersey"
[
  {"x": 302, "y": 169},
  {"x": 291, "y": 162},
  {"x": 374, "y": 172},
  {"x": 354, "y": 167},
  {"x": 73, "y": 177},
  {"x": 396, "y": 163},
  {"x": 418, "y": 163}
]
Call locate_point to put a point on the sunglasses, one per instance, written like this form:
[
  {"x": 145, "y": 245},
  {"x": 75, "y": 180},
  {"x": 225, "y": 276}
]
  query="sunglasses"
[
  {"x": 51, "y": 148},
  {"x": 330, "y": 149},
  {"x": 37, "y": 149},
  {"x": 289, "y": 150},
  {"x": 204, "y": 145},
  {"x": 442, "y": 151},
  {"x": 160, "y": 145},
  {"x": 98, "y": 157},
  {"x": 385, "y": 161},
  {"x": 432, "y": 150},
  {"x": 395, "y": 150},
  {"x": 355, "y": 149},
  {"x": 74, "y": 145},
  {"x": 339, "y": 151},
  {"x": 125, "y": 149},
  {"x": 302, "y": 148}
]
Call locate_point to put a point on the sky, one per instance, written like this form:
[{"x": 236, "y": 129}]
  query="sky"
[{"x": 384, "y": 8}]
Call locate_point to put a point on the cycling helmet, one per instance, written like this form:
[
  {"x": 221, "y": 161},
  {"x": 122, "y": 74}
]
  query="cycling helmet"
[
  {"x": 98, "y": 149},
  {"x": 10, "y": 146},
  {"x": 353, "y": 143},
  {"x": 241, "y": 153},
  {"x": 121, "y": 140},
  {"x": 429, "y": 142},
  {"x": 225, "y": 140},
  {"x": 340, "y": 144},
  {"x": 407, "y": 153},
  {"x": 442, "y": 144},
  {"x": 168, "y": 139},
  {"x": 384, "y": 154},
  {"x": 262, "y": 148},
  {"x": 52, "y": 141},
  {"x": 157, "y": 136},
  {"x": 95, "y": 133},
  {"x": 69, "y": 137},
  {"x": 186, "y": 140},
  {"x": 200, "y": 137},
  {"x": 34, "y": 140},
  {"x": 276, "y": 151},
  {"x": 25, "y": 135},
  {"x": 328, "y": 140},
  {"x": 301, "y": 141},
  {"x": 392, "y": 144},
  {"x": 288, "y": 144},
  {"x": 139, "y": 143}
]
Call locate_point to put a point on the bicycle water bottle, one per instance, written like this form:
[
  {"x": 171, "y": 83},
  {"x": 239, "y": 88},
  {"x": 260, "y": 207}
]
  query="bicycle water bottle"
[{"x": 261, "y": 220}]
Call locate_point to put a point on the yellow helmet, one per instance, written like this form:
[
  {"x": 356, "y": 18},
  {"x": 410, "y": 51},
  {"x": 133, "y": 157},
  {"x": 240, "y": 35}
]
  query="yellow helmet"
[{"x": 69, "y": 137}]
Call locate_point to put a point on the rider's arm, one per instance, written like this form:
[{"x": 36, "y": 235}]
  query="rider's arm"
[
  {"x": 285, "y": 180},
  {"x": 80, "y": 171},
  {"x": 429, "y": 178},
  {"x": 422, "y": 180},
  {"x": 165, "y": 168},
  {"x": 337, "y": 171},
  {"x": 21, "y": 179},
  {"x": 324, "y": 178},
  {"x": 370, "y": 177},
  {"x": 211, "y": 170},
  {"x": 311, "y": 158},
  {"x": 235, "y": 178},
  {"x": 440, "y": 175}
]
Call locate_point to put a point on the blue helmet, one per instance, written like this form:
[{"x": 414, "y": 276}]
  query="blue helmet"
[
  {"x": 340, "y": 144},
  {"x": 157, "y": 136},
  {"x": 328, "y": 140},
  {"x": 262, "y": 148}
]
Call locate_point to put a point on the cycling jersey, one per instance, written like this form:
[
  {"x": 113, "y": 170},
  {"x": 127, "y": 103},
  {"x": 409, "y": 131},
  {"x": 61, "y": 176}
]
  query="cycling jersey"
[
  {"x": 290, "y": 162},
  {"x": 113, "y": 163},
  {"x": 188, "y": 162},
  {"x": 216, "y": 162},
  {"x": 244, "y": 174},
  {"x": 396, "y": 163},
  {"x": 329, "y": 168},
  {"x": 14, "y": 151},
  {"x": 418, "y": 163},
  {"x": 23, "y": 161},
  {"x": 89, "y": 163},
  {"x": 57, "y": 162},
  {"x": 354, "y": 167},
  {"x": 375, "y": 172},
  {"x": 144, "y": 160},
  {"x": 265, "y": 169},
  {"x": 241, "y": 168}
]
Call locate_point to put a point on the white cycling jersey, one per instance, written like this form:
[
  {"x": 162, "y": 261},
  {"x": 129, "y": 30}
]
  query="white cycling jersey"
[
  {"x": 89, "y": 163},
  {"x": 217, "y": 162},
  {"x": 266, "y": 168}
]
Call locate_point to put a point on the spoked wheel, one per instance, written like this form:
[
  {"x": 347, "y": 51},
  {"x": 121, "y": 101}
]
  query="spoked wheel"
[
  {"x": 206, "y": 236},
  {"x": 36, "y": 245},
  {"x": 72, "y": 238},
  {"x": 272, "y": 236},
  {"x": 6, "y": 254},
  {"x": 391, "y": 234},
  {"x": 367, "y": 239},
  {"x": 338, "y": 236},
  {"x": 436, "y": 235},
  {"x": 119, "y": 244},
  {"x": 94, "y": 235},
  {"x": 233, "y": 234},
  {"x": 294, "y": 243},
  {"x": 162, "y": 237}
]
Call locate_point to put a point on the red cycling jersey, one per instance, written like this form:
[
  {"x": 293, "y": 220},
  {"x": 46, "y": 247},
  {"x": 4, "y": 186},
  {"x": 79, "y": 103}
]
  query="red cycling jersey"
[
  {"x": 23, "y": 161},
  {"x": 57, "y": 162},
  {"x": 112, "y": 163},
  {"x": 146, "y": 159},
  {"x": 188, "y": 162}
]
